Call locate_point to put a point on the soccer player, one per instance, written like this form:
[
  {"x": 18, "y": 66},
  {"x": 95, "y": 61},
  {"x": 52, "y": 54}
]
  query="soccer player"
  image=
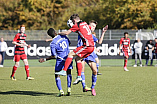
[
  {"x": 19, "y": 42},
  {"x": 84, "y": 30},
  {"x": 59, "y": 50},
  {"x": 125, "y": 44}
]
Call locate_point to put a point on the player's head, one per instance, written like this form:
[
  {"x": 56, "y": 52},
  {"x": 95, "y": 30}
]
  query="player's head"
[
  {"x": 138, "y": 40},
  {"x": 93, "y": 24},
  {"x": 126, "y": 34},
  {"x": 75, "y": 18},
  {"x": 150, "y": 40},
  {"x": 51, "y": 32},
  {"x": 22, "y": 28}
]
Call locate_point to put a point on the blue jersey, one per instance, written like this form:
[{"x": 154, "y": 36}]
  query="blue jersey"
[{"x": 60, "y": 49}]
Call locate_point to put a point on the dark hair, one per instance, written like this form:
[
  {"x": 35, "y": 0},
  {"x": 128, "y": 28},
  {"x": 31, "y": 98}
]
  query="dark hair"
[
  {"x": 155, "y": 38},
  {"x": 93, "y": 21},
  {"x": 125, "y": 33},
  {"x": 51, "y": 32},
  {"x": 74, "y": 16}
]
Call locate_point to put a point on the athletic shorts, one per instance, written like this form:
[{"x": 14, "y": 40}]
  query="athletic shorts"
[
  {"x": 125, "y": 53},
  {"x": 60, "y": 65},
  {"x": 18, "y": 57},
  {"x": 83, "y": 51},
  {"x": 91, "y": 57}
]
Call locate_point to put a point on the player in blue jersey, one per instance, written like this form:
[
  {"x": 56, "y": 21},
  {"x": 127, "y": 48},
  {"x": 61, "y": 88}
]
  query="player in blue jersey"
[
  {"x": 60, "y": 50},
  {"x": 91, "y": 59}
]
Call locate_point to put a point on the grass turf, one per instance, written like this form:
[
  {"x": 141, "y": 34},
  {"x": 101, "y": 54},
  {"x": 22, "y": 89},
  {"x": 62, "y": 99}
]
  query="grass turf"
[{"x": 138, "y": 86}]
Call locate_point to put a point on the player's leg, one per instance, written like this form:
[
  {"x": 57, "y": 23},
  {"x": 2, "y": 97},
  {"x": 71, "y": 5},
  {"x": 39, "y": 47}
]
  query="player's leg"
[
  {"x": 126, "y": 56},
  {"x": 139, "y": 54},
  {"x": 16, "y": 59},
  {"x": 25, "y": 61},
  {"x": 94, "y": 76},
  {"x": 59, "y": 86},
  {"x": 135, "y": 60},
  {"x": 69, "y": 79},
  {"x": 151, "y": 63},
  {"x": 97, "y": 65},
  {"x": 67, "y": 63}
]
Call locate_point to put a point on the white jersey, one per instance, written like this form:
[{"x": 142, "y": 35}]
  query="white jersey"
[
  {"x": 138, "y": 47},
  {"x": 3, "y": 46}
]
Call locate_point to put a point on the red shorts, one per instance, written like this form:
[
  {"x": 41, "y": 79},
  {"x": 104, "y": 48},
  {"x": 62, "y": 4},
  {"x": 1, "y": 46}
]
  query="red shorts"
[
  {"x": 83, "y": 51},
  {"x": 125, "y": 53},
  {"x": 18, "y": 57}
]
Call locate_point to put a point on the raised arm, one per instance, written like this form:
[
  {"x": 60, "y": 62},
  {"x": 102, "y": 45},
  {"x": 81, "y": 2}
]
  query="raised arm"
[
  {"x": 102, "y": 35},
  {"x": 65, "y": 32}
]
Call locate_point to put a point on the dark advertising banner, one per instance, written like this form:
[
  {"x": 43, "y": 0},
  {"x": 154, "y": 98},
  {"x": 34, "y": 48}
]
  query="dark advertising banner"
[{"x": 109, "y": 49}]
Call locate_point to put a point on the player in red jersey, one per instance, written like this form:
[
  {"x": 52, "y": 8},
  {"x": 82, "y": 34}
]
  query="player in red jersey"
[
  {"x": 84, "y": 30},
  {"x": 19, "y": 42},
  {"x": 125, "y": 44}
]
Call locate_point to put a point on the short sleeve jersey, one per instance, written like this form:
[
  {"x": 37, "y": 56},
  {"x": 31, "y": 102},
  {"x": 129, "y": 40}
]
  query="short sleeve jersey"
[
  {"x": 19, "y": 38},
  {"x": 60, "y": 46},
  {"x": 84, "y": 30},
  {"x": 125, "y": 43},
  {"x": 150, "y": 45}
]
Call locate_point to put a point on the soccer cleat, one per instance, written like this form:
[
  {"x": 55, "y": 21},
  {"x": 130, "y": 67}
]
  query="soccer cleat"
[
  {"x": 61, "y": 93},
  {"x": 125, "y": 69},
  {"x": 78, "y": 79},
  {"x": 85, "y": 89},
  {"x": 140, "y": 65},
  {"x": 99, "y": 73},
  {"x": 68, "y": 91},
  {"x": 93, "y": 92},
  {"x": 29, "y": 78},
  {"x": 13, "y": 78},
  {"x": 62, "y": 72},
  {"x": 135, "y": 65}
]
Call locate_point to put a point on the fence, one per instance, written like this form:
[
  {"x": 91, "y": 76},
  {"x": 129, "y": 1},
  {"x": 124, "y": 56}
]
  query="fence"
[{"x": 42, "y": 34}]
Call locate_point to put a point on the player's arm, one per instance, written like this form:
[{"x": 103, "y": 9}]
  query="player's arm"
[
  {"x": 46, "y": 59},
  {"x": 47, "y": 40},
  {"x": 65, "y": 32},
  {"x": 102, "y": 35},
  {"x": 130, "y": 48}
]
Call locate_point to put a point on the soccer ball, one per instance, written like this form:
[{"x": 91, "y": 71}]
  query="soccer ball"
[{"x": 70, "y": 23}]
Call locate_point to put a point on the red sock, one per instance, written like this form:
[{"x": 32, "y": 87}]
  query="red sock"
[
  {"x": 125, "y": 62},
  {"x": 27, "y": 70},
  {"x": 79, "y": 68},
  {"x": 14, "y": 70},
  {"x": 67, "y": 63}
]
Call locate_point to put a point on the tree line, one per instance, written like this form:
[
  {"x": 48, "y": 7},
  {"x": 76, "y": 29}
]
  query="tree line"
[{"x": 43, "y": 14}]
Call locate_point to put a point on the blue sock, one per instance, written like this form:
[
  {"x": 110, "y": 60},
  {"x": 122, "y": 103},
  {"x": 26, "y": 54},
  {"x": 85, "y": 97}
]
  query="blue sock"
[
  {"x": 58, "y": 83},
  {"x": 69, "y": 79},
  {"x": 94, "y": 79},
  {"x": 97, "y": 65},
  {"x": 83, "y": 79}
]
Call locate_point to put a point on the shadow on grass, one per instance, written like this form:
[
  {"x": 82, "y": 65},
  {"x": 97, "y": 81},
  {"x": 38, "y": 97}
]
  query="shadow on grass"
[{"x": 31, "y": 93}]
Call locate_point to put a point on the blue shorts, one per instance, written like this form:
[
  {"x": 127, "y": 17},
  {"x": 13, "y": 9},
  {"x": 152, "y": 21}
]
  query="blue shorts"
[
  {"x": 60, "y": 65},
  {"x": 91, "y": 57}
]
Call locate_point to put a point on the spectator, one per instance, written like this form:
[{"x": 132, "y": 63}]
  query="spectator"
[
  {"x": 149, "y": 48},
  {"x": 155, "y": 48},
  {"x": 3, "y": 48},
  {"x": 138, "y": 52}
]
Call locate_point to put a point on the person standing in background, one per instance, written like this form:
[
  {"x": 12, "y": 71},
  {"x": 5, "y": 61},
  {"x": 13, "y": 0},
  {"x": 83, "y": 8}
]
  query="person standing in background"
[
  {"x": 3, "y": 48},
  {"x": 155, "y": 48},
  {"x": 138, "y": 52},
  {"x": 149, "y": 48}
]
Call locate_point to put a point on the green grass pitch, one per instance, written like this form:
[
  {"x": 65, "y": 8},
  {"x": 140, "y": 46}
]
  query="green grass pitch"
[{"x": 114, "y": 86}]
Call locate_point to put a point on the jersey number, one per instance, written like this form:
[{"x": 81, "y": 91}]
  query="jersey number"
[
  {"x": 63, "y": 45},
  {"x": 88, "y": 29}
]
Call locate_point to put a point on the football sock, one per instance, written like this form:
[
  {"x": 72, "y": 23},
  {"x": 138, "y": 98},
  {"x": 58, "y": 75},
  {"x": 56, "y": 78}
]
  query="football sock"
[
  {"x": 94, "y": 79},
  {"x": 83, "y": 79},
  {"x": 69, "y": 79},
  {"x": 125, "y": 62},
  {"x": 79, "y": 68},
  {"x": 67, "y": 63},
  {"x": 97, "y": 65},
  {"x": 58, "y": 83},
  {"x": 14, "y": 70},
  {"x": 27, "y": 70}
]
